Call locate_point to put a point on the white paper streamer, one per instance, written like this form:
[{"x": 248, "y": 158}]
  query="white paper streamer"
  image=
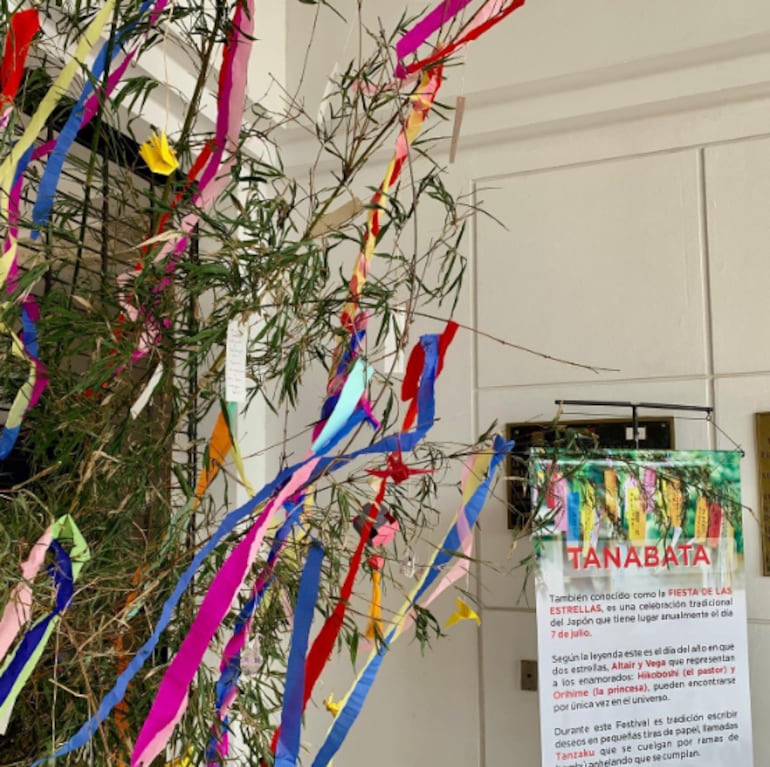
[{"x": 144, "y": 397}]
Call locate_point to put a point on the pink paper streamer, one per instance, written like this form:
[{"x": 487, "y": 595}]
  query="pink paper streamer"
[
  {"x": 424, "y": 28},
  {"x": 19, "y": 608},
  {"x": 171, "y": 700},
  {"x": 465, "y": 534}
]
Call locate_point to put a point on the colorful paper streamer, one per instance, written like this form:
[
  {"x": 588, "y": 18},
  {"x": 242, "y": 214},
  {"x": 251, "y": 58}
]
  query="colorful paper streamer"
[
  {"x": 354, "y": 700},
  {"x": 489, "y": 16},
  {"x": 171, "y": 699},
  {"x": 324, "y": 642},
  {"x": 405, "y": 441},
  {"x": 19, "y": 665},
  {"x": 230, "y": 665}
]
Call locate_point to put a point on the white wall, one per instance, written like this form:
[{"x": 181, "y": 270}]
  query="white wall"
[{"x": 626, "y": 147}]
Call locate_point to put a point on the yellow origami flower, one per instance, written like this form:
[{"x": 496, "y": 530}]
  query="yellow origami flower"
[
  {"x": 462, "y": 613},
  {"x": 158, "y": 155},
  {"x": 332, "y": 707}
]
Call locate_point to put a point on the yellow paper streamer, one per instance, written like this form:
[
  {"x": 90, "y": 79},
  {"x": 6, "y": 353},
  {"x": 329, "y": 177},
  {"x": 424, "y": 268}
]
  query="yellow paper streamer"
[
  {"x": 39, "y": 119},
  {"x": 672, "y": 495},
  {"x": 701, "y": 519},
  {"x": 637, "y": 527},
  {"x": 587, "y": 514}
]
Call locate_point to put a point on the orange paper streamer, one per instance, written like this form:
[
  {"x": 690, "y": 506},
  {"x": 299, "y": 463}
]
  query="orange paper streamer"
[{"x": 374, "y": 629}]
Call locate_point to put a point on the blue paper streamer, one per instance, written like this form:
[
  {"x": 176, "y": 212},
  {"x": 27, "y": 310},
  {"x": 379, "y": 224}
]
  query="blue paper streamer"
[
  {"x": 350, "y": 396},
  {"x": 29, "y": 335},
  {"x": 8, "y": 439},
  {"x": 49, "y": 182},
  {"x": 61, "y": 572},
  {"x": 287, "y": 749}
]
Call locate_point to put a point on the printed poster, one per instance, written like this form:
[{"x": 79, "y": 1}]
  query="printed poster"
[{"x": 641, "y": 610}]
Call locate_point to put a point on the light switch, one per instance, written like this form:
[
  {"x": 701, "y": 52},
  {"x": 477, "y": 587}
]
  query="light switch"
[{"x": 529, "y": 675}]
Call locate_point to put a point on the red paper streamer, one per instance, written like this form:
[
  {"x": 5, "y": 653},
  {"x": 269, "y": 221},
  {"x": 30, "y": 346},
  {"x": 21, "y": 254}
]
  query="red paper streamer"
[
  {"x": 22, "y": 30},
  {"x": 442, "y": 53},
  {"x": 411, "y": 383}
]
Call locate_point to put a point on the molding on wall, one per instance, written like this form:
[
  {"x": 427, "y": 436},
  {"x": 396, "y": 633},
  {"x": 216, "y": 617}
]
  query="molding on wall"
[
  {"x": 706, "y": 78},
  {"x": 738, "y": 70}
]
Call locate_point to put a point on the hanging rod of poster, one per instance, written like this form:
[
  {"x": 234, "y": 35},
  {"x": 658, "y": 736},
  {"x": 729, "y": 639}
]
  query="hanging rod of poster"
[{"x": 641, "y": 609}]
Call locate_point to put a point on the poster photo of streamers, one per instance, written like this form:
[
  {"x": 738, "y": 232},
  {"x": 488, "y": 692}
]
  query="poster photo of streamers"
[{"x": 641, "y": 609}]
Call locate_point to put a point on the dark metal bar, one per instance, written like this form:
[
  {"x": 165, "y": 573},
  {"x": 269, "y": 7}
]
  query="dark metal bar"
[{"x": 634, "y": 405}]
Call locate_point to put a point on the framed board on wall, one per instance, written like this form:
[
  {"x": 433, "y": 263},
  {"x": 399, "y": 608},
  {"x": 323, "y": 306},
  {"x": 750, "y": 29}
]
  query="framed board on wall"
[{"x": 572, "y": 436}]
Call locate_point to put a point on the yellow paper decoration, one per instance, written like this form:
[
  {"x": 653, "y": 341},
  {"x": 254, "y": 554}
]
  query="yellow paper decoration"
[
  {"x": 332, "y": 707},
  {"x": 462, "y": 613},
  {"x": 158, "y": 155}
]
